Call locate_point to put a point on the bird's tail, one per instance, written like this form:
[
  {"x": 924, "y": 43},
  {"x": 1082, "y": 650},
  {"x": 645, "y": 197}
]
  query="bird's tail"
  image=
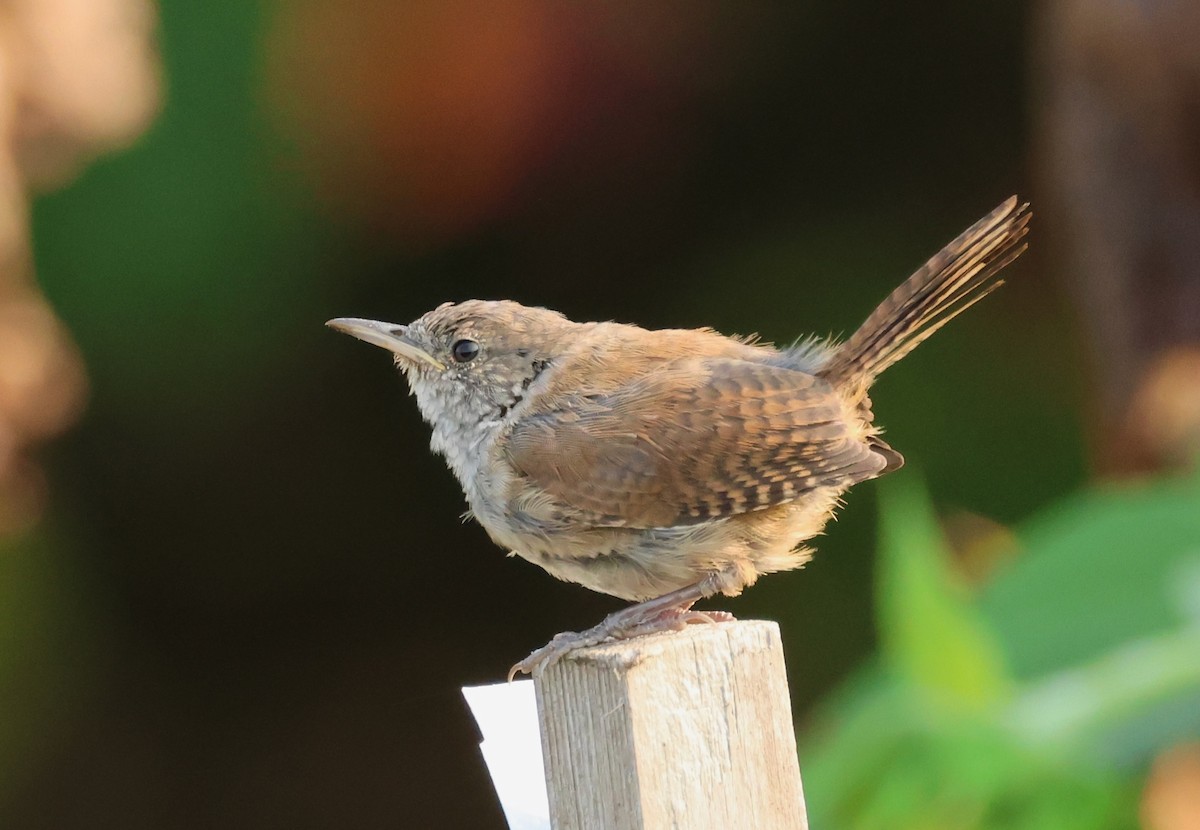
[{"x": 957, "y": 277}]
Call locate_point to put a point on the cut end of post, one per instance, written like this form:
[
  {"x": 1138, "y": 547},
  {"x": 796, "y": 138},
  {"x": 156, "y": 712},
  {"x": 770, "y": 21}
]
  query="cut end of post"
[{"x": 732, "y": 638}]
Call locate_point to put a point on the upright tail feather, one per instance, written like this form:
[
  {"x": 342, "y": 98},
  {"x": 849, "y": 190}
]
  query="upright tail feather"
[{"x": 957, "y": 277}]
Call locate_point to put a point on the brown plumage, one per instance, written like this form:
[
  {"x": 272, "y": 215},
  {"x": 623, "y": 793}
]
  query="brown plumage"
[
  {"x": 694, "y": 440},
  {"x": 664, "y": 466},
  {"x": 953, "y": 280}
]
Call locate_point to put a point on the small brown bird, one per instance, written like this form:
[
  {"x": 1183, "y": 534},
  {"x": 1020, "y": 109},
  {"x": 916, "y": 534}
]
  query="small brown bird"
[{"x": 667, "y": 466}]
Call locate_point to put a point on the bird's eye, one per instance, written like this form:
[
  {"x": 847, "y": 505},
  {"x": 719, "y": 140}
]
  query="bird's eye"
[{"x": 464, "y": 351}]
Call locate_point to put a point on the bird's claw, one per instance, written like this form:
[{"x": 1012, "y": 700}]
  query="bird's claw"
[
  {"x": 615, "y": 627},
  {"x": 559, "y": 646}
]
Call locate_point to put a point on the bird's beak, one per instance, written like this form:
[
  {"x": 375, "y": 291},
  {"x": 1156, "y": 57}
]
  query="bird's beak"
[{"x": 390, "y": 336}]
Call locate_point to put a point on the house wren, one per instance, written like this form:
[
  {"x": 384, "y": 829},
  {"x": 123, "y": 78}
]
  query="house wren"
[{"x": 667, "y": 466}]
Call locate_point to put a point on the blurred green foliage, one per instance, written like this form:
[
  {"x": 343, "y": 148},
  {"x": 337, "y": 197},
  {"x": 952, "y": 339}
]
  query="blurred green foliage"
[
  {"x": 186, "y": 269},
  {"x": 930, "y": 635},
  {"x": 1037, "y": 704}
]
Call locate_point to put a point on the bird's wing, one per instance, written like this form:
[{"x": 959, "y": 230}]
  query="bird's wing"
[{"x": 697, "y": 439}]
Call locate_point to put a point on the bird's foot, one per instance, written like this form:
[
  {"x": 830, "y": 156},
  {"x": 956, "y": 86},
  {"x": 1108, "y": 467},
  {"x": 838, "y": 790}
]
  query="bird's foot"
[
  {"x": 676, "y": 619},
  {"x": 635, "y": 621}
]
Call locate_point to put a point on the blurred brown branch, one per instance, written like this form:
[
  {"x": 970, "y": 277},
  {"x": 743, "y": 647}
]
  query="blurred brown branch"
[
  {"x": 1120, "y": 164},
  {"x": 77, "y": 78}
]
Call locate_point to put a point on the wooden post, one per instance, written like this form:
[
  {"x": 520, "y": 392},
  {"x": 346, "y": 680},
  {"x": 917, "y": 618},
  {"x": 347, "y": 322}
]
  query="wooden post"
[{"x": 681, "y": 730}]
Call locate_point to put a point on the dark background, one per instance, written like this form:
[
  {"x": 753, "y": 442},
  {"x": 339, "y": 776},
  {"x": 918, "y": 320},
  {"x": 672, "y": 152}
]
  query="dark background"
[{"x": 252, "y": 602}]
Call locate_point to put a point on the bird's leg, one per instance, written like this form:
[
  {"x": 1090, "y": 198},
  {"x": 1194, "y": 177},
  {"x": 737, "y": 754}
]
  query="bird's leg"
[{"x": 670, "y": 612}]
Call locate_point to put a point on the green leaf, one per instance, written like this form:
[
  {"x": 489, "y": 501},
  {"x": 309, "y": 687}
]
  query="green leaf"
[
  {"x": 930, "y": 631},
  {"x": 1100, "y": 618},
  {"x": 887, "y": 757},
  {"x": 1102, "y": 568},
  {"x": 1120, "y": 709}
]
